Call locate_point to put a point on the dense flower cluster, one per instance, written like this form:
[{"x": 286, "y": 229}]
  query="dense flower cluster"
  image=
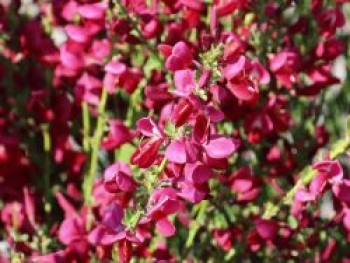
[{"x": 174, "y": 130}]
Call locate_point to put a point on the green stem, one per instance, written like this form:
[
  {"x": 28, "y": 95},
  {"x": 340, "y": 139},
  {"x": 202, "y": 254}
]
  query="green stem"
[
  {"x": 153, "y": 185},
  {"x": 86, "y": 127},
  {"x": 309, "y": 174},
  {"x": 162, "y": 166},
  {"x": 47, "y": 150},
  {"x": 95, "y": 143},
  {"x": 134, "y": 20}
]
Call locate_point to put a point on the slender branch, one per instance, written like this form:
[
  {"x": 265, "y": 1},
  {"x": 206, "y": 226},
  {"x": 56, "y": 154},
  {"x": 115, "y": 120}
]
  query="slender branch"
[
  {"x": 134, "y": 20},
  {"x": 95, "y": 143},
  {"x": 47, "y": 150},
  {"x": 309, "y": 175},
  {"x": 86, "y": 127},
  {"x": 153, "y": 185}
]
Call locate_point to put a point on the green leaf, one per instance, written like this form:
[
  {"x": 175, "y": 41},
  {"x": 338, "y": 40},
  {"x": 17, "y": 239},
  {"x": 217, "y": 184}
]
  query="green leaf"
[
  {"x": 339, "y": 148},
  {"x": 293, "y": 222},
  {"x": 348, "y": 128},
  {"x": 124, "y": 153},
  {"x": 231, "y": 253},
  {"x": 128, "y": 216},
  {"x": 194, "y": 227},
  {"x": 153, "y": 63},
  {"x": 170, "y": 129}
]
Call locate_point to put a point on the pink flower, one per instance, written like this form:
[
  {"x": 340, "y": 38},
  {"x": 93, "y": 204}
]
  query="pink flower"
[
  {"x": 118, "y": 135},
  {"x": 243, "y": 78},
  {"x": 245, "y": 184},
  {"x": 92, "y": 11},
  {"x": 179, "y": 58},
  {"x": 162, "y": 203},
  {"x": 329, "y": 172},
  {"x": 193, "y": 193},
  {"x": 184, "y": 82},
  {"x": 197, "y": 173},
  {"x": 114, "y": 70},
  {"x": 99, "y": 51},
  {"x": 224, "y": 238},
  {"x": 118, "y": 178},
  {"x": 286, "y": 65},
  {"x": 182, "y": 112},
  {"x": 146, "y": 154},
  {"x": 341, "y": 191},
  {"x": 332, "y": 169},
  {"x": 193, "y": 4},
  {"x": 88, "y": 88},
  {"x": 176, "y": 152},
  {"x": 77, "y": 33},
  {"x": 267, "y": 229},
  {"x": 329, "y": 20},
  {"x": 220, "y": 146},
  {"x": 149, "y": 128},
  {"x": 70, "y": 58},
  {"x": 111, "y": 231}
]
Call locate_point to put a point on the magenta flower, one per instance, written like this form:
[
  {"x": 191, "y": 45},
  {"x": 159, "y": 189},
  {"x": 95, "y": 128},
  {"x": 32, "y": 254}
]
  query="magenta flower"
[
  {"x": 149, "y": 128},
  {"x": 329, "y": 49},
  {"x": 118, "y": 178},
  {"x": 341, "y": 191},
  {"x": 245, "y": 184},
  {"x": 111, "y": 231},
  {"x": 162, "y": 203},
  {"x": 267, "y": 229},
  {"x": 176, "y": 152},
  {"x": 332, "y": 169},
  {"x": 184, "y": 82},
  {"x": 220, "y": 146},
  {"x": 224, "y": 238},
  {"x": 118, "y": 135},
  {"x": 77, "y": 33},
  {"x": 72, "y": 233},
  {"x": 71, "y": 230},
  {"x": 285, "y": 65},
  {"x": 329, "y": 20},
  {"x": 114, "y": 70},
  {"x": 146, "y": 154},
  {"x": 182, "y": 112},
  {"x": 197, "y": 173},
  {"x": 71, "y": 58},
  {"x": 193, "y": 193},
  {"x": 243, "y": 78},
  {"x": 92, "y": 11},
  {"x": 179, "y": 58},
  {"x": 88, "y": 89},
  {"x": 193, "y": 4},
  {"x": 329, "y": 172}
]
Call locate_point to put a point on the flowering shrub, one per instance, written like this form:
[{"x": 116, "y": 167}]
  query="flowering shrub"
[{"x": 174, "y": 130}]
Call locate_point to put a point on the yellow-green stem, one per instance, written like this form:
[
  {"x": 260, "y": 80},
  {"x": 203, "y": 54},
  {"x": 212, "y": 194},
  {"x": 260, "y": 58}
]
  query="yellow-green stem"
[
  {"x": 47, "y": 150},
  {"x": 309, "y": 174},
  {"x": 95, "y": 144},
  {"x": 86, "y": 127}
]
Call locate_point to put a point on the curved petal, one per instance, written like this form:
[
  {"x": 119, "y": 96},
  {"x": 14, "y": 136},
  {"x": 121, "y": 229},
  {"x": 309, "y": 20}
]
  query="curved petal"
[
  {"x": 220, "y": 146},
  {"x": 165, "y": 227}
]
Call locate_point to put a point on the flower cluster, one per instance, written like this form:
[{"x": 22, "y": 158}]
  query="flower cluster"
[{"x": 174, "y": 130}]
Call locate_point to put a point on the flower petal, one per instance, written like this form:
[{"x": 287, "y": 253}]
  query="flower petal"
[
  {"x": 220, "y": 146},
  {"x": 165, "y": 227},
  {"x": 176, "y": 152}
]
